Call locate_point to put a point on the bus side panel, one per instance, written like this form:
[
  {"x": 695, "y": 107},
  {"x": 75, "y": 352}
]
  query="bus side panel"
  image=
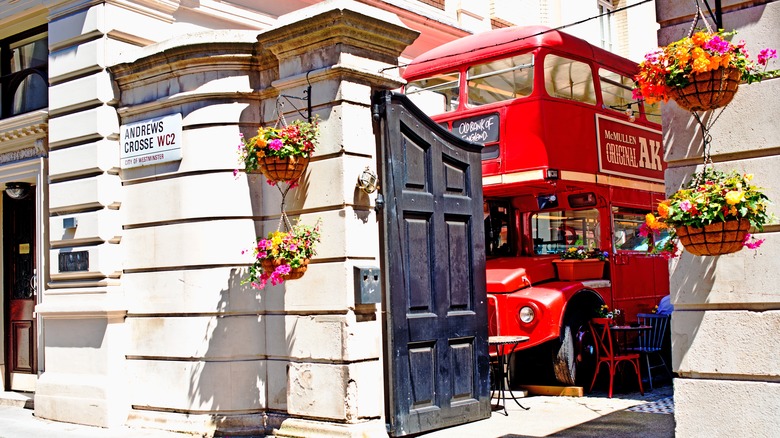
[
  {"x": 527, "y": 151},
  {"x": 570, "y": 133}
]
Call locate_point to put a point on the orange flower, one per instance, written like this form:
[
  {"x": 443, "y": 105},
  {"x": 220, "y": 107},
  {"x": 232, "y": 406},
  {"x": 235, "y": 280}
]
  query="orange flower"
[
  {"x": 654, "y": 223},
  {"x": 663, "y": 208},
  {"x": 699, "y": 38}
]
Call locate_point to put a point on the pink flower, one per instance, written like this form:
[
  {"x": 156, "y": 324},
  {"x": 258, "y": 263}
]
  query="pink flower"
[
  {"x": 717, "y": 44},
  {"x": 751, "y": 242},
  {"x": 282, "y": 269},
  {"x": 275, "y": 144},
  {"x": 686, "y": 206},
  {"x": 765, "y": 55}
]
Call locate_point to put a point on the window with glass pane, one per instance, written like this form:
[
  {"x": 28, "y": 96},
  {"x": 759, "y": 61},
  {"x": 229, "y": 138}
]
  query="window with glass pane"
[
  {"x": 555, "y": 231},
  {"x": 501, "y": 80},
  {"x": 435, "y": 95},
  {"x": 568, "y": 79},
  {"x": 653, "y": 112},
  {"x": 626, "y": 223},
  {"x": 24, "y": 72},
  {"x": 497, "y": 230},
  {"x": 28, "y": 53},
  {"x": 616, "y": 91}
]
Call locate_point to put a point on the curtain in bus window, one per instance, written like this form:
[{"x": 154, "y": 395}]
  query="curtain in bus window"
[
  {"x": 500, "y": 80},
  {"x": 435, "y": 95},
  {"x": 568, "y": 79}
]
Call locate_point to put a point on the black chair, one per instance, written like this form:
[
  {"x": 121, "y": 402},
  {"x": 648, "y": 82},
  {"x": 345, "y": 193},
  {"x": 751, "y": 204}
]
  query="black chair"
[{"x": 650, "y": 342}]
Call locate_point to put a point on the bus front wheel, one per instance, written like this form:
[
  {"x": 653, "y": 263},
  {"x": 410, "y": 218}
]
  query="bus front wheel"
[{"x": 565, "y": 357}]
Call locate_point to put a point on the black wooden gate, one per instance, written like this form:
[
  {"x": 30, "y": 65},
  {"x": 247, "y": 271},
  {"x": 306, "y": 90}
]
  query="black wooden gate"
[{"x": 433, "y": 270}]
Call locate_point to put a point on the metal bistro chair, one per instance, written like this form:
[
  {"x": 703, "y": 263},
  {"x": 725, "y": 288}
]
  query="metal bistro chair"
[
  {"x": 650, "y": 342},
  {"x": 606, "y": 353}
]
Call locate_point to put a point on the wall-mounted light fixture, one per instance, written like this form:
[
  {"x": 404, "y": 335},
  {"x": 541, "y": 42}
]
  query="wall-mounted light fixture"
[
  {"x": 17, "y": 190},
  {"x": 367, "y": 181}
]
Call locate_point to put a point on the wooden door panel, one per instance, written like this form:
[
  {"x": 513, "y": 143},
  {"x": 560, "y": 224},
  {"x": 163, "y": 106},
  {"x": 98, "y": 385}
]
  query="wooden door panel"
[{"x": 433, "y": 269}]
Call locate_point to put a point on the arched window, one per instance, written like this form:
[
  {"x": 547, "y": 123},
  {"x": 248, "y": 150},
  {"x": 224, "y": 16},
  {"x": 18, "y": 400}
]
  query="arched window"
[{"x": 24, "y": 72}]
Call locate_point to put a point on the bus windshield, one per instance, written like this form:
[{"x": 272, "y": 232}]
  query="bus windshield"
[{"x": 555, "y": 231}]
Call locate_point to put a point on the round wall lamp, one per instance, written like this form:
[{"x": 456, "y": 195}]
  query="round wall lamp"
[
  {"x": 367, "y": 181},
  {"x": 17, "y": 190}
]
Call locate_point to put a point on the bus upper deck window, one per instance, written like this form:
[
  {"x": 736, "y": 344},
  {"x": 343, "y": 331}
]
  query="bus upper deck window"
[
  {"x": 435, "y": 95},
  {"x": 568, "y": 79},
  {"x": 616, "y": 91},
  {"x": 500, "y": 80},
  {"x": 652, "y": 112}
]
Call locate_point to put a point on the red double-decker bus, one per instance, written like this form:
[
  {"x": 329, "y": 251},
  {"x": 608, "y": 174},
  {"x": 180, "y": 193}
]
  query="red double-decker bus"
[{"x": 569, "y": 160}]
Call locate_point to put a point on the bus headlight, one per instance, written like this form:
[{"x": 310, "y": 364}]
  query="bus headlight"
[{"x": 526, "y": 314}]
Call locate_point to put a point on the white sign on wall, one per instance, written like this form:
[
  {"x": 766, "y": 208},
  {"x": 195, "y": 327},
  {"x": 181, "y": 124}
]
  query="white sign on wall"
[{"x": 152, "y": 141}]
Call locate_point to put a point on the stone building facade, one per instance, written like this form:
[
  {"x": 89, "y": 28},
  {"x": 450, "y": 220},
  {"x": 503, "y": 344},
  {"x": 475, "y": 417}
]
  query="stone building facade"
[
  {"x": 138, "y": 315},
  {"x": 727, "y": 308}
]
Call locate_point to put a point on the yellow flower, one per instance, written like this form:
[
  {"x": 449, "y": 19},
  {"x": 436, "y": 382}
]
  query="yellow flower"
[
  {"x": 748, "y": 176},
  {"x": 735, "y": 197}
]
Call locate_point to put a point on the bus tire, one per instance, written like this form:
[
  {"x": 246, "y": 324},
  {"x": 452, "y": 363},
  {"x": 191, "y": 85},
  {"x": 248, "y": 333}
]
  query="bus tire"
[{"x": 565, "y": 358}]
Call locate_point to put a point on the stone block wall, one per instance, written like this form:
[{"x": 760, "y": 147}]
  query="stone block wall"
[
  {"x": 727, "y": 308},
  {"x": 208, "y": 353}
]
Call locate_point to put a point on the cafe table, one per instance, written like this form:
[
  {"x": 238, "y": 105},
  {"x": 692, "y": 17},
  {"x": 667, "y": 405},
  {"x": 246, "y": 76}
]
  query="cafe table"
[
  {"x": 505, "y": 345},
  {"x": 627, "y": 331}
]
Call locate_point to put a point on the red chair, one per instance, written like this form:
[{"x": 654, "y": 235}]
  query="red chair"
[{"x": 606, "y": 354}]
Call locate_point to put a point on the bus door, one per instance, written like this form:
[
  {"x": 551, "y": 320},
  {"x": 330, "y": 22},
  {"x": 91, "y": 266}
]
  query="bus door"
[{"x": 639, "y": 279}]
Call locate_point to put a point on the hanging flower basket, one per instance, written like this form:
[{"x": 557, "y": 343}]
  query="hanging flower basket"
[
  {"x": 281, "y": 154},
  {"x": 270, "y": 266},
  {"x": 711, "y": 215},
  {"x": 701, "y": 71},
  {"x": 708, "y": 90},
  {"x": 714, "y": 239},
  {"x": 576, "y": 270},
  {"x": 283, "y": 255},
  {"x": 283, "y": 169}
]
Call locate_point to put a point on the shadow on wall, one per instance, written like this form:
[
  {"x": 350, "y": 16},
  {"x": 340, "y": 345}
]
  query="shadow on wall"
[
  {"x": 694, "y": 277},
  {"x": 229, "y": 379}
]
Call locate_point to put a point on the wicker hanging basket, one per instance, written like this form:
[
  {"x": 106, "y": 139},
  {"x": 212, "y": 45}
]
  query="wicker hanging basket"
[
  {"x": 714, "y": 239},
  {"x": 708, "y": 90},
  {"x": 283, "y": 169},
  {"x": 295, "y": 273}
]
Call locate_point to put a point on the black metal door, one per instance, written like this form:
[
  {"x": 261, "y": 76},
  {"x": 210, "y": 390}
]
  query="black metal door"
[{"x": 433, "y": 269}]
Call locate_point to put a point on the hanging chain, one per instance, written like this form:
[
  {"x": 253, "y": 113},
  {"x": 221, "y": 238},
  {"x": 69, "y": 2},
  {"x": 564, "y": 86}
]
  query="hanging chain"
[
  {"x": 279, "y": 110},
  {"x": 706, "y": 138},
  {"x": 696, "y": 17},
  {"x": 283, "y": 219}
]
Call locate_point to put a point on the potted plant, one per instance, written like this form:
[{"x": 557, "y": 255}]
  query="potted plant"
[
  {"x": 281, "y": 154},
  {"x": 700, "y": 72},
  {"x": 606, "y": 316},
  {"x": 579, "y": 263},
  {"x": 711, "y": 215},
  {"x": 283, "y": 255}
]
